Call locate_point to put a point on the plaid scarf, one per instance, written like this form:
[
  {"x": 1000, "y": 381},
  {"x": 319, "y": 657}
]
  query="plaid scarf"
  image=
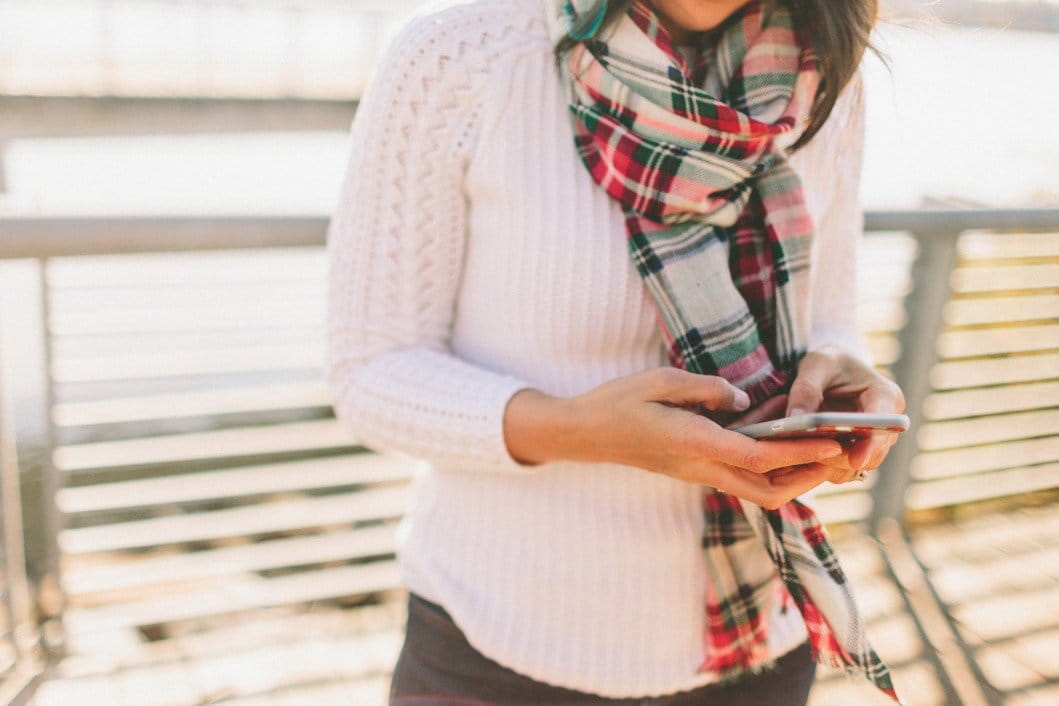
[{"x": 719, "y": 232}]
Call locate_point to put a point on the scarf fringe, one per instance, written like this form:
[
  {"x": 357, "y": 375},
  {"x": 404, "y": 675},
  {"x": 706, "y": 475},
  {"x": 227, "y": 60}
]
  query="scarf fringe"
[
  {"x": 851, "y": 671},
  {"x": 831, "y": 660},
  {"x": 834, "y": 661},
  {"x": 731, "y": 674}
]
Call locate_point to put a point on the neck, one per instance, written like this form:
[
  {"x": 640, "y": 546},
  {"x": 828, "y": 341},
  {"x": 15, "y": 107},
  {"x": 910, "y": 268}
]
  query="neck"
[{"x": 678, "y": 33}]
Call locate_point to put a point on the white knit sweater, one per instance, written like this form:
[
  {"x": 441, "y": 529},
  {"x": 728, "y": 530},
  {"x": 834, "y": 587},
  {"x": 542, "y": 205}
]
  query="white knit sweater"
[{"x": 471, "y": 255}]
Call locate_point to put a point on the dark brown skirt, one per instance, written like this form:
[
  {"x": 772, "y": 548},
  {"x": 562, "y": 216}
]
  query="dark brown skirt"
[{"x": 438, "y": 667}]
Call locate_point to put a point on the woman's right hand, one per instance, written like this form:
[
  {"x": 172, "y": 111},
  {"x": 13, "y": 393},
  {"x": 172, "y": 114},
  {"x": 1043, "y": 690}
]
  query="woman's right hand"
[{"x": 638, "y": 420}]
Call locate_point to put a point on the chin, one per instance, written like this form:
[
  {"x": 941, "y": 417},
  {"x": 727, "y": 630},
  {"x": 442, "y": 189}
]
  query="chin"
[{"x": 697, "y": 15}]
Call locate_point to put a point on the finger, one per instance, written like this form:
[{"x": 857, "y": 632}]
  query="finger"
[
  {"x": 771, "y": 492},
  {"x": 839, "y": 462},
  {"x": 881, "y": 398},
  {"x": 769, "y": 409},
  {"x": 807, "y": 390},
  {"x": 880, "y": 455},
  {"x": 711, "y": 391},
  {"x": 862, "y": 453},
  {"x": 741, "y": 451},
  {"x": 778, "y": 473}
]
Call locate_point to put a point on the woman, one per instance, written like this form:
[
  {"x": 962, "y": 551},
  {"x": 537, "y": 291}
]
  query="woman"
[{"x": 569, "y": 255}]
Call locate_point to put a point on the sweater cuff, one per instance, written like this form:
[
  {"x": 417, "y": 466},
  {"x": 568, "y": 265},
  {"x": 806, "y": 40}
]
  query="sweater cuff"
[
  {"x": 430, "y": 405},
  {"x": 494, "y": 451}
]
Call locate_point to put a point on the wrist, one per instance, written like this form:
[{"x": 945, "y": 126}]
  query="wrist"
[{"x": 539, "y": 428}]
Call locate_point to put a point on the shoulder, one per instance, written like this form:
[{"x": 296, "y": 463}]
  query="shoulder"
[
  {"x": 841, "y": 132},
  {"x": 830, "y": 163},
  {"x": 472, "y": 34},
  {"x": 844, "y": 126}
]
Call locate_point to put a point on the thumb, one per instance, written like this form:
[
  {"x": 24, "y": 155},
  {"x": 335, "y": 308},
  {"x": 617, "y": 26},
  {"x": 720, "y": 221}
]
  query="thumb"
[
  {"x": 807, "y": 390},
  {"x": 709, "y": 391}
]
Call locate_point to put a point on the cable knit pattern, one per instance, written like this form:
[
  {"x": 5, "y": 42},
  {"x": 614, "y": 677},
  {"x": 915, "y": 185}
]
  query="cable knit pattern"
[{"x": 471, "y": 255}]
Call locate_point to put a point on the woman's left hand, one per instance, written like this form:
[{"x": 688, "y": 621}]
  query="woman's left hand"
[{"x": 830, "y": 379}]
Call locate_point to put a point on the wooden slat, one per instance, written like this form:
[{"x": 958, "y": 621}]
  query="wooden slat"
[
  {"x": 286, "y": 590},
  {"x": 999, "y": 246},
  {"x": 213, "y": 402},
  {"x": 263, "y": 266},
  {"x": 970, "y": 311},
  {"x": 969, "y": 460},
  {"x": 995, "y": 371},
  {"x": 1005, "y": 616},
  {"x": 847, "y": 507},
  {"x": 280, "y": 516},
  {"x": 986, "y": 486},
  {"x": 989, "y": 429},
  {"x": 885, "y": 281},
  {"x": 959, "y": 582},
  {"x": 881, "y": 315},
  {"x": 92, "y": 347},
  {"x": 311, "y": 474},
  {"x": 982, "y": 538},
  {"x": 883, "y": 349},
  {"x": 91, "y": 391},
  {"x": 173, "y": 308},
  {"x": 222, "y": 315},
  {"x": 1005, "y": 278},
  {"x": 889, "y": 244},
  {"x": 267, "y": 630},
  {"x": 1009, "y": 339},
  {"x": 991, "y": 400},
  {"x": 307, "y": 356},
  {"x": 185, "y": 297},
  {"x": 335, "y": 545},
  {"x": 317, "y": 436}
]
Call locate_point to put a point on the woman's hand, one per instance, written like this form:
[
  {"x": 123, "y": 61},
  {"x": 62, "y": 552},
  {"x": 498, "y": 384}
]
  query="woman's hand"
[
  {"x": 831, "y": 379},
  {"x": 639, "y": 420}
]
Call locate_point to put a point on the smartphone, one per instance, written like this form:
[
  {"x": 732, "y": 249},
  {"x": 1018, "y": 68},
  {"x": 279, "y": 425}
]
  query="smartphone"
[{"x": 826, "y": 425}]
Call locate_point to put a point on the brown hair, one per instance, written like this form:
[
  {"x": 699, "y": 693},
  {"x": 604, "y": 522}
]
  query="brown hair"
[{"x": 839, "y": 30}]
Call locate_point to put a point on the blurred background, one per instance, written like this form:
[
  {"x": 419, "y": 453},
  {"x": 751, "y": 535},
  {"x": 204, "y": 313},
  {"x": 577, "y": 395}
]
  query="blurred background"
[{"x": 184, "y": 522}]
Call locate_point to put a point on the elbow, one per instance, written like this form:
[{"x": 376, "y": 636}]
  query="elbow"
[
  {"x": 341, "y": 368},
  {"x": 356, "y": 399}
]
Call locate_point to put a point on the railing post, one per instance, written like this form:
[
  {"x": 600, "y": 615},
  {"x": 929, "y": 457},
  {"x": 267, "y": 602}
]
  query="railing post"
[
  {"x": 924, "y": 310},
  {"x": 18, "y": 684},
  {"x": 51, "y": 483},
  {"x": 3, "y": 170}
]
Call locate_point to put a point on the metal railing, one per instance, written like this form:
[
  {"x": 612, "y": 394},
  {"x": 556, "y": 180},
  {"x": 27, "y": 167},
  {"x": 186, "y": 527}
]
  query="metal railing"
[
  {"x": 20, "y": 666},
  {"x": 936, "y": 234}
]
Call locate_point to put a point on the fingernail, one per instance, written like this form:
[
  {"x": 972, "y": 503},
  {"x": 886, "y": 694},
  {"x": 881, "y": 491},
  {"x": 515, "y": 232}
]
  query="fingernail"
[
  {"x": 795, "y": 411},
  {"x": 742, "y": 400},
  {"x": 829, "y": 452}
]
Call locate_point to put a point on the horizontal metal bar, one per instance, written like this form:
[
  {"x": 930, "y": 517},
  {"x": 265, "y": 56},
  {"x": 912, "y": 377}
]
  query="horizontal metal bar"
[
  {"x": 22, "y": 237},
  {"x": 47, "y": 116},
  {"x": 59, "y": 236},
  {"x": 955, "y": 220}
]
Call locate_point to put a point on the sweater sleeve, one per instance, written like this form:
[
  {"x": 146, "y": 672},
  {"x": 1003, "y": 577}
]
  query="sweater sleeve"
[
  {"x": 836, "y": 246},
  {"x": 395, "y": 248}
]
